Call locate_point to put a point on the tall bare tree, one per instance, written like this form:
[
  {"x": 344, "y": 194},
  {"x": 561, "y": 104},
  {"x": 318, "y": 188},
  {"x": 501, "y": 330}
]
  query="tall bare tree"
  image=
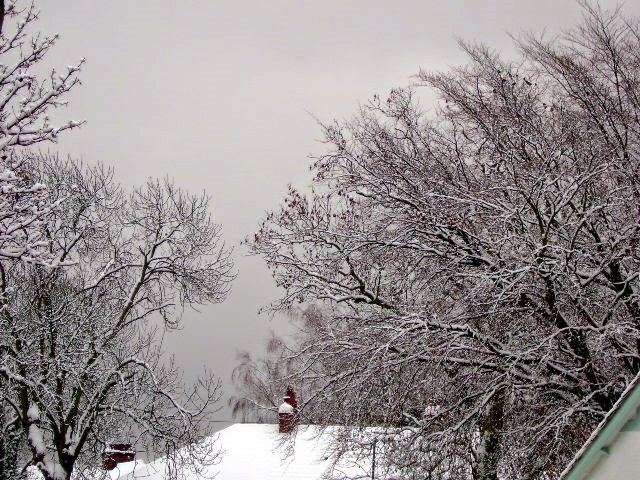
[
  {"x": 483, "y": 253},
  {"x": 27, "y": 98},
  {"x": 90, "y": 278},
  {"x": 82, "y": 361}
]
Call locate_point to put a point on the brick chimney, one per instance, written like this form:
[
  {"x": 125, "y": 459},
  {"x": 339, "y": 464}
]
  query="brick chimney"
[{"x": 288, "y": 412}]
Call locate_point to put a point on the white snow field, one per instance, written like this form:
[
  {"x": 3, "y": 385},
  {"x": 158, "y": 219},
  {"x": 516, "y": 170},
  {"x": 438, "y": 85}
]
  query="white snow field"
[{"x": 258, "y": 451}]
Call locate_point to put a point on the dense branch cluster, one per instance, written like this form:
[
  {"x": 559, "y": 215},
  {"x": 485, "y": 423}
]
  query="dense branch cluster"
[
  {"x": 470, "y": 273},
  {"x": 26, "y": 101},
  {"x": 90, "y": 278},
  {"x": 82, "y": 363}
]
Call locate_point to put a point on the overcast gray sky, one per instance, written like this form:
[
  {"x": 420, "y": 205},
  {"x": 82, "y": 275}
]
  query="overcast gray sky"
[{"x": 216, "y": 95}]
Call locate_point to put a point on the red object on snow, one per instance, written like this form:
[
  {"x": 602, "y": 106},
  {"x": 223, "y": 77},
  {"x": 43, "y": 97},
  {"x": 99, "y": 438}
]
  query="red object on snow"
[
  {"x": 290, "y": 397},
  {"x": 116, "y": 453},
  {"x": 288, "y": 412}
]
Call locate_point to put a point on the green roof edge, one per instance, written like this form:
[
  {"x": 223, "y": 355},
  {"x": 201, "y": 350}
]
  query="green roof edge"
[{"x": 603, "y": 436}]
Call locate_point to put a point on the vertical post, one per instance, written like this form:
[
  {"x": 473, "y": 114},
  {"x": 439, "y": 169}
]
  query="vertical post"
[{"x": 373, "y": 461}]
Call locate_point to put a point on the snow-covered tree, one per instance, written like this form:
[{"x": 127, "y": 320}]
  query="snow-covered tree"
[
  {"x": 27, "y": 98},
  {"x": 90, "y": 277},
  {"x": 82, "y": 362},
  {"x": 476, "y": 265}
]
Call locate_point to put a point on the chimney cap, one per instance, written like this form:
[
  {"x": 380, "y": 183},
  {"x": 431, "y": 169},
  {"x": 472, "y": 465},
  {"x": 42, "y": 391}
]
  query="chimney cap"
[{"x": 286, "y": 408}]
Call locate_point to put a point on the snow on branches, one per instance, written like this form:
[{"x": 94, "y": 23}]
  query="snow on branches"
[
  {"x": 81, "y": 341},
  {"x": 26, "y": 101},
  {"x": 485, "y": 253},
  {"x": 90, "y": 277}
]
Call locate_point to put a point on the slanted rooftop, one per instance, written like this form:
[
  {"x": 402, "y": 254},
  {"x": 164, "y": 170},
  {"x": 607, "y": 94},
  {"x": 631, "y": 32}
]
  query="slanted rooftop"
[{"x": 613, "y": 449}]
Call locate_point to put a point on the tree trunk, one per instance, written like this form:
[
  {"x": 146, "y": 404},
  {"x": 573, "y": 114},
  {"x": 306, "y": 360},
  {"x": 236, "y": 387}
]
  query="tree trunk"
[
  {"x": 487, "y": 453},
  {"x": 59, "y": 474},
  {"x": 9, "y": 446}
]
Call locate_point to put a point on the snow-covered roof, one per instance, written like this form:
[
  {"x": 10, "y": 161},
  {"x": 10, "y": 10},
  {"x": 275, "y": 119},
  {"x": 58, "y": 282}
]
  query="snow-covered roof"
[{"x": 251, "y": 451}]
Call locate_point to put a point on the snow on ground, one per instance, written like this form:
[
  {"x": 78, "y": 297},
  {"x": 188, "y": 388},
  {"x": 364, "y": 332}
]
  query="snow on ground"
[{"x": 252, "y": 451}]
